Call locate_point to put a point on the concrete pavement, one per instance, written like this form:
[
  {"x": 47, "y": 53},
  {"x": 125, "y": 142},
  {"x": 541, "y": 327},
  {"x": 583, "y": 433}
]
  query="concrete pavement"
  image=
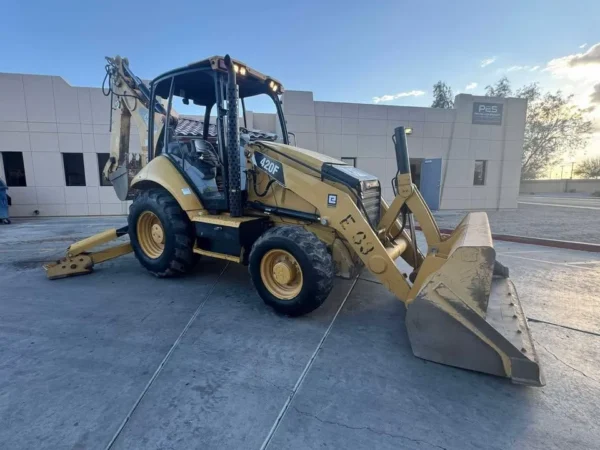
[{"x": 123, "y": 359}]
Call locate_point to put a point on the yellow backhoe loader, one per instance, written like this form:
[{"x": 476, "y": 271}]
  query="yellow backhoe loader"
[{"x": 295, "y": 217}]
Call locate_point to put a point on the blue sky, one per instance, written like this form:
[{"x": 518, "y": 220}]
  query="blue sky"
[{"x": 341, "y": 50}]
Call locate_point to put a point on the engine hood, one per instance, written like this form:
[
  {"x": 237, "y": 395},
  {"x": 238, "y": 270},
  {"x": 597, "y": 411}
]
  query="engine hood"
[{"x": 291, "y": 155}]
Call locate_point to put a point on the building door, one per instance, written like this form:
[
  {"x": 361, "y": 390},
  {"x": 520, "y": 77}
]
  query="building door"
[{"x": 431, "y": 173}]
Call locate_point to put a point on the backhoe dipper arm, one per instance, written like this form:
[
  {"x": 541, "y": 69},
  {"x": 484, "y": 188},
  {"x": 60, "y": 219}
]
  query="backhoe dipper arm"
[{"x": 130, "y": 99}]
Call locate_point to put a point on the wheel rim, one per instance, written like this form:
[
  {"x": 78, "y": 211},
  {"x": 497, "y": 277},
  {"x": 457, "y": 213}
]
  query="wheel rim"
[
  {"x": 150, "y": 234},
  {"x": 281, "y": 274}
]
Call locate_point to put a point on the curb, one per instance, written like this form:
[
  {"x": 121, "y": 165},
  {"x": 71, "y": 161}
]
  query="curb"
[{"x": 571, "y": 245}]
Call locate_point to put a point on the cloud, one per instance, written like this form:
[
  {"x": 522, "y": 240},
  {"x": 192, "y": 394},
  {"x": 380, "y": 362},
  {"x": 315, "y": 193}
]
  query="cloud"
[
  {"x": 578, "y": 74},
  {"x": 471, "y": 86},
  {"x": 519, "y": 68},
  {"x": 390, "y": 97},
  {"x": 592, "y": 56},
  {"x": 595, "y": 96},
  {"x": 579, "y": 67},
  {"x": 583, "y": 45},
  {"x": 488, "y": 61}
]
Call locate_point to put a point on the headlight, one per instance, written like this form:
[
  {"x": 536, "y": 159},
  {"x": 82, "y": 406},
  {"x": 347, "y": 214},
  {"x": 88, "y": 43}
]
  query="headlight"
[{"x": 242, "y": 70}]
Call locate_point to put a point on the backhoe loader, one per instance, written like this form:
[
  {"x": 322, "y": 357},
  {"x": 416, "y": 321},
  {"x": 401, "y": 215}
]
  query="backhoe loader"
[{"x": 296, "y": 217}]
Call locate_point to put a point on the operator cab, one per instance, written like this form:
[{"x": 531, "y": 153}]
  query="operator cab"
[{"x": 195, "y": 138}]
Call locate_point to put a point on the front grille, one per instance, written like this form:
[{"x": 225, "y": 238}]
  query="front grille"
[{"x": 371, "y": 200}]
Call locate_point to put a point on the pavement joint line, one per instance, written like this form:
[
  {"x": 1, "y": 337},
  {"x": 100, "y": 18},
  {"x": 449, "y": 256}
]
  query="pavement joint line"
[
  {"x": 525, "y": 251},
  {"x": 541, "y": 197},
  {"x": 302, "y": 376},
  {"x": 559, "y": 206},
  {"x": 165, "y": 360},
  {"x": 548, "y": 262},
  {"x": 585, "y": 262},
  {"x": 370, "y": 281},
  {"x": 538, "y": 343},
  {"x": 29, "y": 250},
  {"x": 534, "y": 320}
]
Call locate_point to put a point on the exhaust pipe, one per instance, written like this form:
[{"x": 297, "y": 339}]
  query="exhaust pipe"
[{"x": 233, "y": 143}]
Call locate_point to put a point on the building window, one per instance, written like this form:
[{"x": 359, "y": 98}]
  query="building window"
[
  {"x": 14, "y": 169},
  {"x": 349, "y": 161},
  {"x": 480, "y": 172},
  {"x": 74, "y": 171},
  {"x": 102, "y": 159}
]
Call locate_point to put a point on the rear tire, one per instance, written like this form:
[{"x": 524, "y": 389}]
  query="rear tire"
[
  {"x": 306, "y": 264},
  {"x": 161, "y": 234}
]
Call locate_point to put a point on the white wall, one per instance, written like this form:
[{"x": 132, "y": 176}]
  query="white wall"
[
  {"x": 500, "y": 145},
  {"x": 42, "y": 117}
]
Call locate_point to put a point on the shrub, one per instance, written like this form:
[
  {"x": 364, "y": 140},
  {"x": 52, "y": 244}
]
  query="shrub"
[{"x": 596, "y": 194}]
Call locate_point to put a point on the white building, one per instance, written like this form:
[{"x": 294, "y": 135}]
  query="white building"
[{"x": 54, "y": 140}]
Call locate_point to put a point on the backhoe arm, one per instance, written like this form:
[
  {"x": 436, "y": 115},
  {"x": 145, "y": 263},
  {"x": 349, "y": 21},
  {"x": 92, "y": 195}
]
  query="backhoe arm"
[{"x": 130, "y": 100}]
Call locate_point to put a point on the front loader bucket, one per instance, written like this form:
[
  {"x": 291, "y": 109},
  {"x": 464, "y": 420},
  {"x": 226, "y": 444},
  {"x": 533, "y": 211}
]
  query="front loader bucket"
[{"x": 464, "y": 316}]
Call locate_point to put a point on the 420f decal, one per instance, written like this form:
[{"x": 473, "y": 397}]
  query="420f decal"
[{"x": 273, "y": 167}]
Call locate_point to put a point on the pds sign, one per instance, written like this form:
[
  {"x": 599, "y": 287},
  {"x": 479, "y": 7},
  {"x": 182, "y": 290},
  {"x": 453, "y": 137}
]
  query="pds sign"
[{"x": 487, "y": 113}]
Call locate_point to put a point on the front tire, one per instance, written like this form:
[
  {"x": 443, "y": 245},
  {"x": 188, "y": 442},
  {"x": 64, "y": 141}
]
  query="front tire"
[
  {"x": 161, "y": 234},
  {"x": 291, "y": 269}
]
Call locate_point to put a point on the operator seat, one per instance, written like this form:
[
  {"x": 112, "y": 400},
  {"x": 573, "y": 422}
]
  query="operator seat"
[{"x": 199, "y": 166}]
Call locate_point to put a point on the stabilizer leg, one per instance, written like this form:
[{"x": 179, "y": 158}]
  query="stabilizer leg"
[{"x": 79, "y": 261}]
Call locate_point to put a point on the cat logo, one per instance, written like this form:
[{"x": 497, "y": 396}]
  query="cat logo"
[{"x": 332, "y": 200}]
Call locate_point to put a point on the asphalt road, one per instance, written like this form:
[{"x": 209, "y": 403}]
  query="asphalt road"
[
  {"x": 121, "y": 360},
  {"x": 563, "y": 218},
  {"x": 592, "y": 203}
]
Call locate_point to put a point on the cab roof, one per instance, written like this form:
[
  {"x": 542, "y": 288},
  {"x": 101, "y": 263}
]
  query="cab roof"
[{"x": 195, "y": 81}]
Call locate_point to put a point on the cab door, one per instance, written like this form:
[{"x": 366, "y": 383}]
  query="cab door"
[{"x": 191, "y": 144}]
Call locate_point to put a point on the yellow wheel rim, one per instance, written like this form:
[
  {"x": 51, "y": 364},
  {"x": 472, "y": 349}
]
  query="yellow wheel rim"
[
  {"x": 150, "y": 234},
  {"x": 281, "y": 274}
]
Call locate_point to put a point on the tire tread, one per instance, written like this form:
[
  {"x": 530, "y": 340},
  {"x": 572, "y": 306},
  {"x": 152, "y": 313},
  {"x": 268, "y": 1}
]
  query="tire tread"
[
  {"x": 183, "y": 253},
  {"x": 319, "y": 257}
]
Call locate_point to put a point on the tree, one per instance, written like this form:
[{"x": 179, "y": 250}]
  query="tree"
[
  {"x": 442, "y": 96},
  {"x": 589, "y": 168},
  {"x": 500, "y": 89},
  {"x": 554, "y": 127}
]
